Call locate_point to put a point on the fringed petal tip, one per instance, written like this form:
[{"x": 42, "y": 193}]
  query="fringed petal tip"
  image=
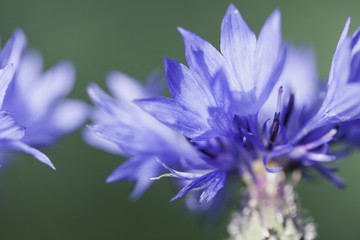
[{"x": 211, "y": 183}]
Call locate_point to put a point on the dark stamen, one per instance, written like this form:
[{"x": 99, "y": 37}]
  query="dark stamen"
[
  {"x": 274, "y": 130},
  {"x": 289, "y": 109},
  {"x": 247, "y": 126},
  {"x": 207, "y": 153},
  {"x": 276, "y": 122}
]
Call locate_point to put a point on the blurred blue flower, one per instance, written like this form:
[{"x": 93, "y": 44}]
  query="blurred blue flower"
[
  {"x": 127, "y": 130},
  {"x": 33, "y": 111},
  {"x": 259, "y": 100}
]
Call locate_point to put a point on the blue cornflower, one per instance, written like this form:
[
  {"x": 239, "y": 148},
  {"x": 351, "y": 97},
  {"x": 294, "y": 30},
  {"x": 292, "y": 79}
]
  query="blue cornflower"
[
  {"x": 33, "y": 112},
  {"x": 257, "y": 100}
]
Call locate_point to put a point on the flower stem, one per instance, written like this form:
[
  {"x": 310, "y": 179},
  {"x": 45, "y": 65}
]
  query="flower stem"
[{"x": 269, "y": 210}]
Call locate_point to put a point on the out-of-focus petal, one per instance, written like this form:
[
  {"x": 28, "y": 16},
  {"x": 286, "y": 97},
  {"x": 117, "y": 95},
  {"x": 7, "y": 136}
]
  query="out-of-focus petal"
[
  {"x": 6, "y": 76},
  {"x": 55, "y": 83},
  {"x": 124, "y": 87},
  {"x": 69, "y": 115},
  {"x": 140, "y": 170},
  {"x": 102, "y": 100},
  {"x": 22, "y": 147},
  {"x": 93, "y": 139},
  {"x": 14, "y": 49},
  {"x": 9, "y": 129}
]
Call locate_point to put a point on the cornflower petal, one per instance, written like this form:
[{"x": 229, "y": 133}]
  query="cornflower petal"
[
  {"x": 139, "y": 170},
  {"x": 211, "y": 182},
  {"x": 173, "y": 115},
  {"x": 184, "y": 88},
  {"x": 22, "y": 147},
  {"x": 6, "y": 76},
  {"x": 125, "y": 88},
  {"x": 102, "y": 100},
  {"x": 199, "y": 54},
  {"x": 132, "y": 144},
  {"x": 14, "y": 49},
  {"x": 9, "y": 129},
  {"x": 269, "y": 56},
  {"x": 238, "y": 44},
  {"x": 30, "y": 108}
]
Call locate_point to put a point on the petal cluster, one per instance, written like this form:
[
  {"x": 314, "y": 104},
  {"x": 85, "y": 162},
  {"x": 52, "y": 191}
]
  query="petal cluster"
[
  {"x": 33, "y": 110},
  {"x": 256, "y": 100}
]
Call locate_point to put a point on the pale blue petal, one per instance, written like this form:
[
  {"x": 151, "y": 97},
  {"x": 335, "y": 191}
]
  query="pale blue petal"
[
  {"x": 213, "y": 188},
  {"x": 133, "y": 139},
  {"x": 124, "y": 87},
  {"x": 137, "y": 169},
  {"x": 13, "y": 50},
  {"x": 187, "y": 90},
  {"x": 237, "y": 44},
  {"x": 220, "y": 90},
  {"x": 6, "y": 76},
  {"x": 219, "y": 121},
  {"x": 344, "y": 107},
  {"x": 340, "y": 70},
  {"x": 103, "y": 100},
  {"x": 269, "y": 55},
  {"x": 8, "y": 127},
  {"x": 28, "y": 73},
  {"x": 44, "y": 91},
  {"x": 173, "y": 115},
  {"x": 22, "y": 147},
  {"x": 93, "y": 139},
  {"x": 211, "y": 182},
  {"x": 204, "y": 59},
  {"x": 69, "y": 115},
  {"x": 155, "y": 83},
  {"x": 341, "y": 58},
  {"x": 329, "y": 174}
]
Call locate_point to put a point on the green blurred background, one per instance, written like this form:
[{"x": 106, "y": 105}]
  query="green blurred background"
[{"x": 132, "y": 36}]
